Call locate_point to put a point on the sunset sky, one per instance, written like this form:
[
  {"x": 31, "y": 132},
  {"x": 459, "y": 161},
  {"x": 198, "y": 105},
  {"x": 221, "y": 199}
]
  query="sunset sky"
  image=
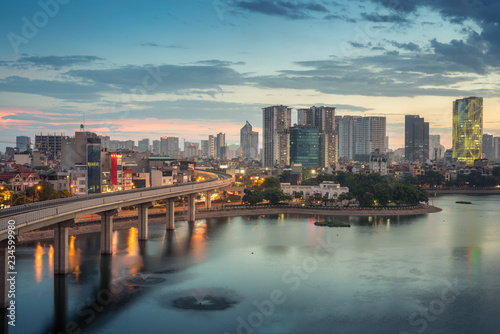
[{"x": 138, "y": 70}]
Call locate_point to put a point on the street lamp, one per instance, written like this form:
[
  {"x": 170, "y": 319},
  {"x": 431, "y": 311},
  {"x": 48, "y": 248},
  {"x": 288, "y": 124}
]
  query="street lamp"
[{"x": 38, "y": 188}]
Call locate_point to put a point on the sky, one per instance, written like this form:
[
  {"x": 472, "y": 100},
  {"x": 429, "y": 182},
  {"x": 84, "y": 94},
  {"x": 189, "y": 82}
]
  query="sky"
[{"x": 135, "y": 69}]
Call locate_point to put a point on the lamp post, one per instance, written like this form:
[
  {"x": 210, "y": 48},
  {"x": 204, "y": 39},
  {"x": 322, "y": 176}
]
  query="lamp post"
[{"x": 38, "y": 188}]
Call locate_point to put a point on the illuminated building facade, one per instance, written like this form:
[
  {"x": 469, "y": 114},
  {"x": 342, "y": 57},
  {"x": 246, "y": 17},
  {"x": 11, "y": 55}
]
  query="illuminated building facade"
[
  {"x": 276, "y": 123},
  {"x": 468, "y": 129}
]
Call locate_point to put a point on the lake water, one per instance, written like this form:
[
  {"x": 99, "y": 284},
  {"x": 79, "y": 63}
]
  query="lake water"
[{"x": 435, "y": 273}]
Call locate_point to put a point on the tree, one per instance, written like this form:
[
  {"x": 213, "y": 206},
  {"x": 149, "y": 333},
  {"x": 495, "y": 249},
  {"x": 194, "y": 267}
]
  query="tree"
[
  {"x": 252, "y": 197},
  {"x": 367, "y": 199},
  {"x": 275, "y": 195},
  {"x": 271, "y": 182},
  {"x": 383, "y": 195}
]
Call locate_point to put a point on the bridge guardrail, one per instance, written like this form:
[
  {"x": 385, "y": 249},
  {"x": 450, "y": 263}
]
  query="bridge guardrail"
[{"x": 67, "y": 205}]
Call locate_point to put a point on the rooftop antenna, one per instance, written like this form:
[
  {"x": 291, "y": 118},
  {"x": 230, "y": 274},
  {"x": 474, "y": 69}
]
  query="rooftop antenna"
[{"x": 82, "y": 126}]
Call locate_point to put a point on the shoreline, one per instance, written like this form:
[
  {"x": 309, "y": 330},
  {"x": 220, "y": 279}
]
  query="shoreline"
[
  {"x": 463, "y": 191},
  {"x": 127, "y": 220}
]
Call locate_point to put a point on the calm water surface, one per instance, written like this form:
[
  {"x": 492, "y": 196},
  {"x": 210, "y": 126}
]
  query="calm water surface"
[{"x": 436, "y": 273}]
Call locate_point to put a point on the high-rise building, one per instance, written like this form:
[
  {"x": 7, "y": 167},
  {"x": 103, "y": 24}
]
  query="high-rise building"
[
  {"x": 370, "y": 136},
  {"x": 496, "y": 145},
  {"x": 143, "y": 145},
  {"x": 23, "y": 143},
  {"x": 88, "y": 154},
  {"x": 305, "y": 116},
  {"x": 488, "y": 146},
  {"x": 156, "y": 147},
  {"x": 50, "y": 145},
  {"x": 212, "y": 146},
  {"x": 468, "y": 129},
  {"x": 347, "y": 136},
  {"x": 105, "y": 142},
  {"x": 305, "y": 146},
  {"x": 205, "y": 148},
  {"x": 191, "y": 150},
  {"x": 322, "y": 118},
  {"x": 276, "y": 124},
  {"x": 416, "y": 138},
  {"x": 324, "y": 121},
  {"x": 436, "y": 150},
  {"x": 220, "y": 143},
  {"x": 169, "y": 146},
  {"x": 249, "y": 142}
]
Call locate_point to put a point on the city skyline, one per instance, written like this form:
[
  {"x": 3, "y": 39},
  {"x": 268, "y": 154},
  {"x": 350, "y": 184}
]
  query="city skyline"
[{"x": 172, "y": 70}]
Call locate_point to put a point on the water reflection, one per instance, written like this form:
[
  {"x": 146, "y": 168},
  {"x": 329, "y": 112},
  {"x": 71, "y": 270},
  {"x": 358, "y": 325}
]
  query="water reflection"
[
  {"x": 60, "y": 302},
  {"x": 383, "y": 270},
  {"x": 39, "y": 251},
  {"x": 74, "y": 258}
]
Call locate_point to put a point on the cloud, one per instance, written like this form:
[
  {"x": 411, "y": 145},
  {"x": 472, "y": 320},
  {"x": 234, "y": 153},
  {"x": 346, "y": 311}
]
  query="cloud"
[
  {"x": 57, "y": 62},
  {"x": 216, "y": 62},
  {"x": 288, "y": 9},
  {"x": 168, "y": 46},
  {"x": 382, "y": 75},
  {"x": 66, "y": 90},
  {"x": 410, "y": 46},
  {"x": 378, "y": 18},
  {"x": 484, "y": 13},
  {"x": 335, "y": 17},
  {"x": 164, "y": 78},
  {"x": 461, "y": 53}
]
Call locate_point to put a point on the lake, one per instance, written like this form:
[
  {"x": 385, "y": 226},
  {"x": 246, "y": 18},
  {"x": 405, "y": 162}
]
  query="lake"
[{"x": 434, "y": 273}]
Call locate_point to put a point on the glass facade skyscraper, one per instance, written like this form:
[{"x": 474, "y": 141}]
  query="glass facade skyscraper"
[
  {"x": 416, "y": 138},
  {"x": 468, "y": 129},
  {"x": 305, "y": 146}
]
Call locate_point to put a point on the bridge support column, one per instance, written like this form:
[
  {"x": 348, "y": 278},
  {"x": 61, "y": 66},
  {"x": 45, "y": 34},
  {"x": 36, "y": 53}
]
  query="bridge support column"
[
  {"x": 143, "y": 220},
  {"x": 170, "y": 205},
  {"x": 191, "y": 207},
  {"x": 4, "y": 269},
  {"x": 208, "y": 200},
  {"x": 107, "y": 231},
  {"x": 61, "y": 248}
]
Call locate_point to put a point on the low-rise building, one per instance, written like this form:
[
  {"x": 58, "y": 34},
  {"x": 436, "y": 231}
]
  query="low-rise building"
[{"x": 327, "y": 188}]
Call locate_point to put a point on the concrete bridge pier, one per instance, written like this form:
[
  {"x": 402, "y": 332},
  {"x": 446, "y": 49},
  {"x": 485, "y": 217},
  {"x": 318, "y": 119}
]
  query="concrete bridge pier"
[
  {"x": 170, "y": 206},
  {"x": 143, "y": 219},
  {"x": 191, "y": 208},
  {"x": 61, "y": 247},
  {"x": 107, "y": 231},
  {"x": 208, "y": 199}
]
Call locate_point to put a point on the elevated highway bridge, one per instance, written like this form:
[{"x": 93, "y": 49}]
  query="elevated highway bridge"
[{"x": 61, "y": 214}]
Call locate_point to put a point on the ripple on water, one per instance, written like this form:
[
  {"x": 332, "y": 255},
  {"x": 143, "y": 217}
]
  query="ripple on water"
[{"x": 201, "y": 299}]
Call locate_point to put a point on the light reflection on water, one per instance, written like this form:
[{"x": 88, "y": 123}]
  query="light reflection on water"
[{"x": 377, "y": 274}]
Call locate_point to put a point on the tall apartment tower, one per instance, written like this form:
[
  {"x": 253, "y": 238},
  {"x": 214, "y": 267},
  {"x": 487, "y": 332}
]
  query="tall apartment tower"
[
  {"x": 436, "y": 150},
  {"x": 370, "y": 136},
  {"x": 249, "y": 142},
  {"x": 212, "y": 148},
  {"x": 324, "y": 120},
  {"x": 143, "y": 145},
  {"x": 347, "y": 136},
  {"x": 468, "y": 129},
  {"x": 220, "y": 144},
  {"x": 23, "y": 143},
  {"x": 305, "y": 116},
  {"x": 156, "y": 147},
  {"x": 169, "y": 146},
  {"x": 276, "y": 122},
  {"x": 416, "y": 138},
  {"x": 496, "y": 148},
  {"x": 488, "y": 146}
]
